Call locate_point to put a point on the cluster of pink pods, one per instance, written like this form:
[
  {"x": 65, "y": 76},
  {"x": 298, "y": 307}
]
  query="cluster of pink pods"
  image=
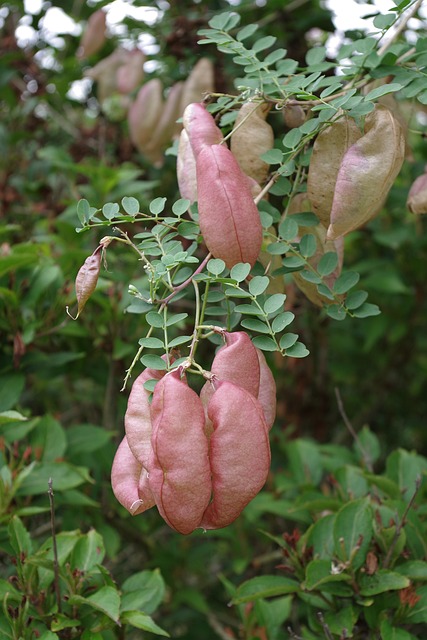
[{"x": 199, "y": 458}]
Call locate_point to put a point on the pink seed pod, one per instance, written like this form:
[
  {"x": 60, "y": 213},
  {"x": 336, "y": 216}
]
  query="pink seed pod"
[
  {"x": 93, "y": 36},
  {"x": 267, "y": 390},
  {"x": 138, "y": 419},
  {"x": 239, "y": 453},
  {"x": 126, "y": 481},
  {"x": 144, "y": 113},
  {"x": 86, "y": 278},
  {"x": 200, "y": 127},
  {"x": 179, "y": 475},
  {"x": 131, "y": 73},
  {"x": 228, "y": 217},
  {"x": 199, "y": 83},
  {"x": 186, "y": 169},
  {"x": 417, "y": 196}
]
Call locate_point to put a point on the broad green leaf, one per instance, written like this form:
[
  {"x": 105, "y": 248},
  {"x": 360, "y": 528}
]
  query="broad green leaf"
[
  {"x": 9, "y": 417},
  {"x": 343, "y": 619},
  {"x": 105, "y": 599},
  {"x": 304, "y": 462},
  {"x": 298, "y": 350},
  {"x": 249, "y": 309},
  {"x": 274, "y": 156},
  {"x": 320, "y": 572},
  {"x": 382, "y": 581},
  {"x": 19, "y": 537},
  {"x": 64, "y": 476},
  {"x": 143, "y": 591},
  {"x": 180, "y": 206},
  {"x": 413, "y": 569},
  {"x": 60, "y": 622},
  {"x": 367, "y": 310},
  {"x": 353, "y": 531},
  {"x": 110, "y": 210},
  {"x": 288, "y": 340},
  {"x": 246, "y": 32},
  {"x": 263, "y": 43},
  {"x": 308, "y": 245},
  {"x": 151, "y": 343},
  {"x": 88, "y": 552},
  {"x": 175, "y": 318},
  {"x": 140, "y": 620},
  {"x": 405, "y": 467},
  {"x": 389, "y": 632},
  {"x": 418, "y": 613},
  {"x": 376, "y": 93},
  {"x": 155, "y": 319},
  {"x": 11, "y": 385},
  {"x": 264, "y": 587},
  {"x": 355, "y": 299}
]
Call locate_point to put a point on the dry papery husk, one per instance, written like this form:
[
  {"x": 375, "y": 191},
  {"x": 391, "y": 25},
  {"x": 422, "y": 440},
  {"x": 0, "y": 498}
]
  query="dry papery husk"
[
  {"x": 166, "y": 126},
  {"x": 328, "y": 152},
  {"x": 301, "y": 203},
  {"x": 251, "y": 139},
  {"x": 417, "y": 196},
  {"x": 199, "y": 83},
  {"x": 93, "y": 37},
  {"x": 367, "y": 172}
]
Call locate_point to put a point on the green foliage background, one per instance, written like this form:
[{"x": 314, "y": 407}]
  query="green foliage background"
[{"x": 61, "y": 408}]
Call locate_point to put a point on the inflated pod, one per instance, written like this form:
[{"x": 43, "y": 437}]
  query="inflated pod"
[
  {"x": 228, "y": 217},
  {"x": 105, "y": 73},
  {"x": 144, "y": 113},
  {"x": 138, "y": 419},
  {"x": 328, "y": 152},
  {"x": 126, "y": 472},
  {"x": 199, "y": 83},
  {"x": 239, "y": 453},
  {"x": 293, "y": 116},
  {"x": 131, "y": 73},
  {"x": 267, "y": 390},
  {"x": 163, "y": 133},
  {"x": 93, "y": 37},
  {"x": 201, "y": 127},
  {"x": 417, "y": 196},
  {"x": 252, "y": 137},
  {"x": 186, "y": 169},
  {"x": 87, "y": 278},
  {"x": 367, "y": 172},
  {"x": 179, "y": 469}
]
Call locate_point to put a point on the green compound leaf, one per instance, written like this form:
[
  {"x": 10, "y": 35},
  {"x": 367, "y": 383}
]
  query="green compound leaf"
[
  {"x": 274, "y": 302},
  {"x": 298, "y": 350},
  {"x": 154, "y": 362},
  {"x": 258, "y": 285},
  {"x": 240, "y": 271},
  {"x": 216, "y": 266},
  {"x": 345, "y": 282},
  {"x": 265, "y": 343},
  {"x": 130, "y": 205}
]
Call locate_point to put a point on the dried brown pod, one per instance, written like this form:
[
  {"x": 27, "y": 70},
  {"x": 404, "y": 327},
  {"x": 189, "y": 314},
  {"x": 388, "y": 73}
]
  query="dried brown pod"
[
  {"x": 93, "y": 36},
  {"x": 252, "y": 136},
  {"x": 200, "y": 82},
  {"x": 144, "y": 113},
  {"x": 367, "y": 172},
  {"x": 293, "y": 116}
]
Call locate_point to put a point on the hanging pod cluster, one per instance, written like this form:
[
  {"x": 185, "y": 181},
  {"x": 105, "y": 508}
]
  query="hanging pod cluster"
[
  {"x": 200, "y": 459},
  {"x": 352, "y": 170},
  {"x": 152, "y": 119},
  {"x": 209, "y": 173}
]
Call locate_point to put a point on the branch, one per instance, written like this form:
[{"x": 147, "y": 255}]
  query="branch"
[{"x": 54, "y": 546}]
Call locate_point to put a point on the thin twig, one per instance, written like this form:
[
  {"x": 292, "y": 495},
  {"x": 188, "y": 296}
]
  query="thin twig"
[
  {"x": 402, "y": 523},
  {"x": 325, "y": 627},
  {"x": 401, "y": 27},
  {"x": 349, "y": 426},
  {"x": 176, "y": 290},
  {"x": 293, "y": 635},
  {"x": 54, "y": 547}
]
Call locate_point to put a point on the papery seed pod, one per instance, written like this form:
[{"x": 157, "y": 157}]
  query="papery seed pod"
[
  {"x": 186, "y": 169},
  {"x": 417, "y": 196},
  {"x": 293, "y": 116},
  {"x": 163, "y": 133},
  {"x": 137, "y": 417},
  {"x": 267, "y": 390},
  {"x": 239, "y": 453},
  {"x": 145, "y": 112},
  {"x": 252, "y": 137},
  {"x": 131, "y": 73},
  {"x": 228, "y": 217},
  {"x": 328, "y": 152},
  {"x": 126, "y": 472},
  {"x": 93, "y": 36},
  {"x": 86, "y": 278},
  {"x": 105, "y": 73},
  {"x": 367, "y": 172},
  {"x": 200, "y": 127},
  {"x": 180, "y": 476},
  {"x": 199, "y": 83}
]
